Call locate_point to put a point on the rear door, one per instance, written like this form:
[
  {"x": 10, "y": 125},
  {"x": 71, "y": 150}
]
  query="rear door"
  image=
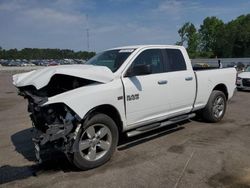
[{"x": 181, "y": 88}]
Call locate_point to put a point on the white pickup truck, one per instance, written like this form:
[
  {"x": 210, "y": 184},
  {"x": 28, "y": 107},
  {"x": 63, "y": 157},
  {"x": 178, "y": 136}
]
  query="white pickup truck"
[{"x": 83, "y": 109}]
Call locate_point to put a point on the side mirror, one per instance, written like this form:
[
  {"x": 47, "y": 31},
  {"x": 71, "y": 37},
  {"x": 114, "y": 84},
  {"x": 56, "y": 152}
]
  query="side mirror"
[{"x": 138, "y": 70}]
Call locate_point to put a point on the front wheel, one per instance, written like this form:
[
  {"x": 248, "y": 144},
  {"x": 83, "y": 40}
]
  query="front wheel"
[
  {"x": 215, "y": 108},
  {"x": 96, "y": 143}
]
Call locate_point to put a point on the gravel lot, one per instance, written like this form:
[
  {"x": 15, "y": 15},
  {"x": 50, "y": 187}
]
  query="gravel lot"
[{"x": 196, "y": 154}]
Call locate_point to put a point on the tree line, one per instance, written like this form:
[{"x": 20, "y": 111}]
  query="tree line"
[
  {"x": 214, "y": 38},
  {"x": 36, "y": 53}
]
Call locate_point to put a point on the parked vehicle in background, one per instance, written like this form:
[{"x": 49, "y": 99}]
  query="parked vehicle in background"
[
  {"x": 26, "y": 64},
  {"x": 83, "y": 109},
  {"x": 38, "y": 62},
  {"x": 53, "y": 63},
  {"x": 243, "y": 79},
  {"x": 3, "y": 62},
  {"x": 79, "y": 61},
  {"x": 13, "y": 63}
]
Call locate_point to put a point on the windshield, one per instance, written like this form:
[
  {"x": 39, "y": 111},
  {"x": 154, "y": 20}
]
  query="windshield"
[
  {"x": 247, "y": 69},
  {"x": 112, "y": 59}
]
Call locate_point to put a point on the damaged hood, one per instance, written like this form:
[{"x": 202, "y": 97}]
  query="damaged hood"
[{"x": 41, "y": 77}]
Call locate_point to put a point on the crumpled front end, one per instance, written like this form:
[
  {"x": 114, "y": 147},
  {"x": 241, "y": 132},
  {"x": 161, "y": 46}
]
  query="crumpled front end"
[{"x": 54, "y": 125}]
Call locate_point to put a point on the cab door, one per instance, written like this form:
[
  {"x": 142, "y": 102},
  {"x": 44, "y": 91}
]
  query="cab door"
[
  {"x": 181, "y": 82},
  {"x": 145, "y": 95}
]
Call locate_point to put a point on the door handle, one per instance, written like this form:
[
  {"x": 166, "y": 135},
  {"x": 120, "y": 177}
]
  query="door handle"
[
  {"x": 161, "y": 82},
  {"x": 189, "y": 78}
]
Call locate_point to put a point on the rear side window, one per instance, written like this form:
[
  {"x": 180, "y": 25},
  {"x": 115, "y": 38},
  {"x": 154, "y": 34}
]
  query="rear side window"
[{"x": 174, "y": 60}]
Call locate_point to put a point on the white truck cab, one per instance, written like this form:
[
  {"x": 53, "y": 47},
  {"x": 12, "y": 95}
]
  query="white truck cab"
[{"x": 82, "y": 109}]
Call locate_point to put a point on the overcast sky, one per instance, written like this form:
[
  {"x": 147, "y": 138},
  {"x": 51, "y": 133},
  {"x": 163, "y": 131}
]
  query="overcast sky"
[{"x": 63, "y": 23}]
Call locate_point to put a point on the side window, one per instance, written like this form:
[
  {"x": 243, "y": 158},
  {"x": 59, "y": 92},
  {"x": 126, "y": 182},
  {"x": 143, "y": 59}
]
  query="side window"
[
  {"x": 151, "y": 57},
  {"x": 174, "y": 60}
]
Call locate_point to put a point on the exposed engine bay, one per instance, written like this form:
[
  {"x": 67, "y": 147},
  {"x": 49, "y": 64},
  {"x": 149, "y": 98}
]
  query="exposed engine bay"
[{"x": 55, "y": 125}]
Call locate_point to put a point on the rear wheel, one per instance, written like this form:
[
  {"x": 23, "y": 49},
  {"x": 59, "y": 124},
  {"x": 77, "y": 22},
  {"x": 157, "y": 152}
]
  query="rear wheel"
[
  {"x": 215, "y": 108},
  {"x": 96, "y": 143}
]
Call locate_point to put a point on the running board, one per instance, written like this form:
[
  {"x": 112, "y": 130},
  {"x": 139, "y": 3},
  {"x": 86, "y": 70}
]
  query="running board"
[{"x": 154, "y": 126}]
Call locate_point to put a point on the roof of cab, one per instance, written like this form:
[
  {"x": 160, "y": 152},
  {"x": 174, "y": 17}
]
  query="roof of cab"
[{"x": 146, "y": 46}]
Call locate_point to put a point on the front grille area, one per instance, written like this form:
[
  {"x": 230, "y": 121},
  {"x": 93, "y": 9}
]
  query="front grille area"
[{"x": 246, "y": 82}]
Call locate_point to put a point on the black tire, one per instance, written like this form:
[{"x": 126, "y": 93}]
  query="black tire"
[
  {"x": 239, "y": 89},
  {"x": 79, "y": 159},
  {"x": 209, "y": 112}
]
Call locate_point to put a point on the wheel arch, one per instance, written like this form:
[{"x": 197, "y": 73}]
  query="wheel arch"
[
  {"x": 222, "y": 88},
  {"x": 108, "y": 110}
]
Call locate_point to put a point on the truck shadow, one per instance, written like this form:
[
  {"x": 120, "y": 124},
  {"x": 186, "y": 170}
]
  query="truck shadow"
[
  {"x": 22, "y": 141},
  {"x": 10, "y": 173},
  {"x": 23, "y": 144}
]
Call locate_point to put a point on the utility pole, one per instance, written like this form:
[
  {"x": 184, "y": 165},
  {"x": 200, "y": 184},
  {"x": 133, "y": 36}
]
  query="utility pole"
[{"x": 87, "y": 32}]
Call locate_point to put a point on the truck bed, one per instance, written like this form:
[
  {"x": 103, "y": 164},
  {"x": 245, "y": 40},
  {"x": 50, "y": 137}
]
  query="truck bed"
[{"x": 208, "y": 78}]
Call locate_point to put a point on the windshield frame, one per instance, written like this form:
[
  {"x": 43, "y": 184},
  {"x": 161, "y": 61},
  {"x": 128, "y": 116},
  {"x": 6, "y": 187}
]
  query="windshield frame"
[{"x": 126, "y": 52}]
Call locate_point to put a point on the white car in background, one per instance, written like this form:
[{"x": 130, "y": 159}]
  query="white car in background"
[{"x": 243, "y": 80}]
